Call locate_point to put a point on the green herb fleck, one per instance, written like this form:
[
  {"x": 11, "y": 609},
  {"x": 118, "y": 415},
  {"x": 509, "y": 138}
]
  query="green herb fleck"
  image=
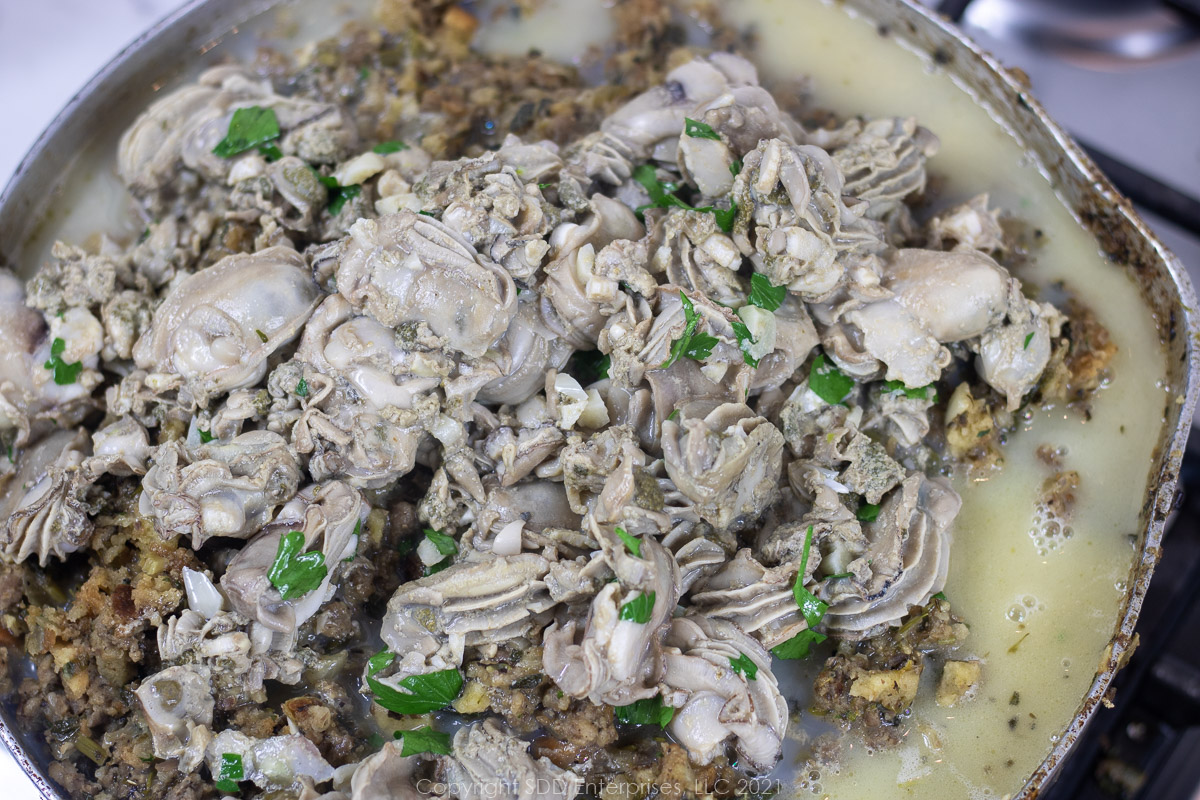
[
  {"x": 1028, "y": 339},
  {"x": 205, "y": 436},
  {"x": 294, "y": 572},
  {"x": 725, "y": 217},
  {"x": 544, "y": 186},
  {"x": 744, "y": 666},
  {"x": 735, "y": 167},
  {"x": 383, "y": 148},
  {"x": 230, "y": 774},
  {"x": 764, "y": 295},
  {"x": 363, "y": 74},
  {"x": 839, "y": 576},
  {"x": 799, "y": 645},
  {"x": 662, "y": 195},
  {"x": 270, "y": 152},
  {"x": 921, "y": 393},
  {"x": 339, "y": 196},
  {"x": 812, "y": 608},
  {"x": 427, "y": 214},
  {"x": 828, "y": 382},
  {"x": 445, "y": 545},
  {"x": 381, "y": 660},
  {"x": 868, "y": 512},
  {"x": 650, "y": 711},
  {"x": 941, "y": 596},
  {"x": 64, "y": 373},
  {"x": 588, "y": 366},
  {"x": 302, "y": 388},
  {"x": 983, "y": 433},
  {"x": 632, "y": 542},
  {"x": 745, "y": 339},
  {"x": 696, "y": 346},
  {"x": 375, "y": 741},
  {"x": 674, "y": 415},
  {"x": 261, "y": 336},
  {"x": 639, "y": 608},
  {"x": 422, "y": 693},
  {"x": 698, "y": 130},
  {"x": 248, "y": 128},
  {"x": 423, "y": 740}
]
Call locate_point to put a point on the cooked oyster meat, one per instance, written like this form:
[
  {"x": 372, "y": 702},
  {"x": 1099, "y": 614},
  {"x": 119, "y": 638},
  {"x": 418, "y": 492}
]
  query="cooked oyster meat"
[{"x": 483, "y": 467}]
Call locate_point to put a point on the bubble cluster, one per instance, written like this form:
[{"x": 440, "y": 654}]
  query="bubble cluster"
[
  {"x": 1022, "y": 608},
  {"x": 1049, "y": 531}
]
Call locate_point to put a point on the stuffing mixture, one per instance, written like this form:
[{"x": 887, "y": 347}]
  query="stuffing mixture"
[{"x": 462, "y": 428}]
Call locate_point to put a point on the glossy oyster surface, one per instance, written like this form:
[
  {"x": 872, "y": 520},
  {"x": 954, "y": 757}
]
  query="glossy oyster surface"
[{"x": 532, "y": 462}]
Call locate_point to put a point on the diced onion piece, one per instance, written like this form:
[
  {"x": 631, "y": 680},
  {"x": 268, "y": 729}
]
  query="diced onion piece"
[
  {"x": 203, "y": 597},
  {"x": 761, "y": 324},
  {"x": 595, "y": 413},
  {"x": 428, "y": 553},
  {"x": 572, "y": 400},
  {"x": 359, "y": 169},
  {"x": 508, "y": 540}
]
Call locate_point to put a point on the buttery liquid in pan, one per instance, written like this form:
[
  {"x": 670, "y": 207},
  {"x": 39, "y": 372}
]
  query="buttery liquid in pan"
[
  {"x": 1007, "y": 579},
  {"x": 1010, "y": 574}
]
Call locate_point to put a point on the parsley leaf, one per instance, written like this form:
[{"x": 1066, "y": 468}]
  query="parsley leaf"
[
  {"x": 338, "y": 194},
  {"x": 650, "y": 711},
  {"x": 270, "y": 151},
  {"x": 302, "y": 388},
  {"x": 445, "y": 545},
  {"x": 940, "y": 596},
  {"x": 230, "y": 774},
  {"x": 867, "y": 512},
  {"x": 64, "y": 373},
  {"x": 745, "y": 339},
  {"x": 1028, "y": 339},
  {"x": 698, "y": 130},
  {"x": 423, "y": 693},
  {"x": 588, "y": 366},
  {"x": 798, "y": 646},
  {"x": 662, "y": 195},
  {"x": 920, "y": 393},
  {"x": 639, "y": 608},
  {"x": 674, "y": 415},
  {"x": 379, "y": 661},
  {"x": 248, "y": 128},
  {"x": 205, "y": 436},
  {"x": 696, "y": 346},
  {"x": 261, "y": 336},
  {"x": 812, "y": 608},
  {"x": 828, "y": 382},
  {"x": 632, "y": 542},
  {"x": 744, "y": 666},
  {"x": 395, "y": 146},
  {"x": 294, "y": 572},
  {"x": 423, "y": 740},
  {"x": 735, "y": 168},
  {"x": 764, "y": 295}
]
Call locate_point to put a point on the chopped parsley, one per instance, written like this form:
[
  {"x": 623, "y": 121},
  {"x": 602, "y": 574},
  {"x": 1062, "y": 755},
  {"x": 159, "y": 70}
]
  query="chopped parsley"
[
  {"x": 632, "y": 542},
  {"x": 674, "y": 415},
  {"x": 828, "y": 382},
  {"x": 294, "y": 572},
  {"x": 696, "y": 346},
  {"x": 261, "y": 335},
  {"x": 270, "y": 151},
  {"x": 867, "y": 512},
  {"x": 812, "y": 609},
  {"x": 764, "y": 295},
  {"x": 230, "y": 774},
  {"x": 383, "y": 148},
  {"x": 839, "y": 576},
  {"x": 423, "y": 740},
  {"x": 338, "y": 194},
  {"x": 302, "y": 388},
  {"x": 1028, "y": 339},
  {"x": 588, "y": 366},
  {"x": 650, "y": 711},
  {"x": 941, "y": 596},
  {"x": 698, "y": 130},
  {"x": 64, "y": 373},
  {"x": 735, "y": 167},
  {"x": 422, "y": 693},
  {"x": 249, "y": 128},
  {"x": 744, "y": 666},
  {"x": 205, "y": 436},
  {"x": 639, "y": 608},
  {"x": 921, "y": 393},
  {"x": 745, "y": 339},
  {"x": 445, "y": 545},
  {"x": 662, "y": 195},
  {"x": 380, "y": 661}
]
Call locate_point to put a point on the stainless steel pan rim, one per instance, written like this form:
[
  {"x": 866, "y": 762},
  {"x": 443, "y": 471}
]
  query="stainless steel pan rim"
[{"x": 194, "y": 28}]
